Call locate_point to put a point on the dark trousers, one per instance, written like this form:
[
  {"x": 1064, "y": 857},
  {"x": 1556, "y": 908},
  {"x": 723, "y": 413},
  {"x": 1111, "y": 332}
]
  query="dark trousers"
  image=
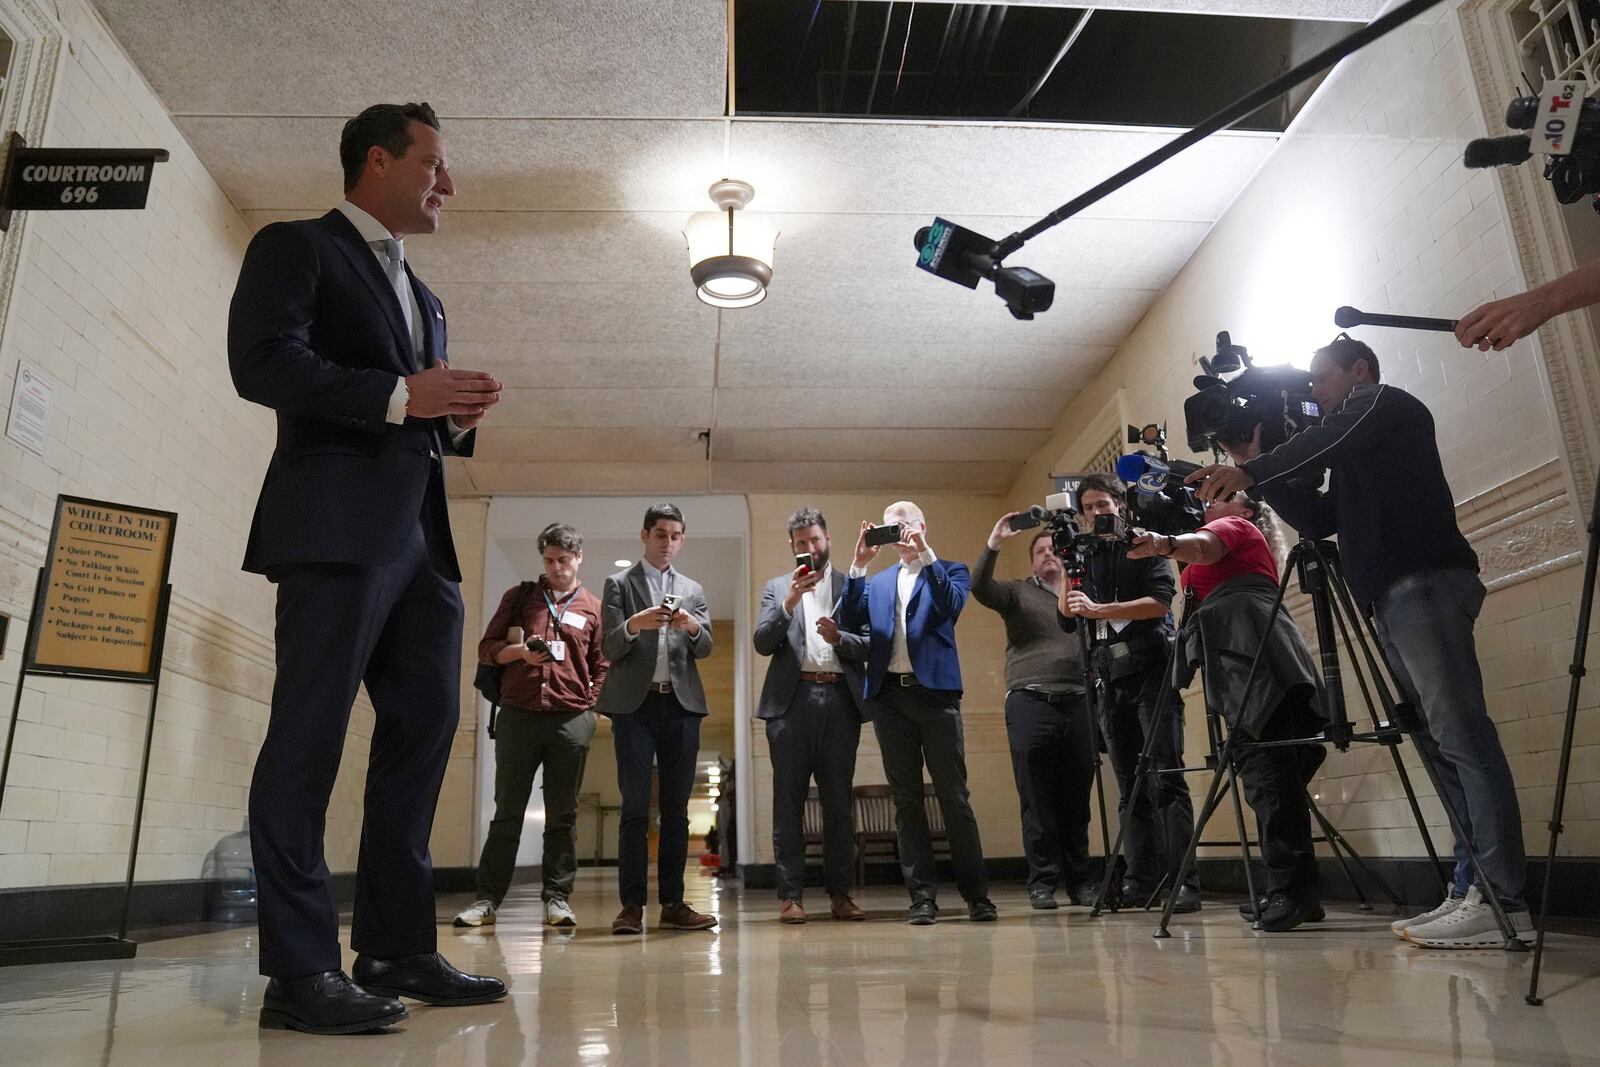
[
  {"x": 817, "y": 736},
  {"x": 665, "y": 734},
  {"x": 1274, "y": 781},
  {"x": 524, "y": 741},
  {"x": 397, "y": 628},
  {"x": 917, "y": 726},
  {"x": 1160, "y": 825},
  {"x": 1054, "y": 767}
]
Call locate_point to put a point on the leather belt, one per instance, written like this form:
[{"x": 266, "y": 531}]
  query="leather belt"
[
  {"x": 902, "y": 681},
  {"x": 660, "y": 687},
  {"x": 820, "y": 677}
]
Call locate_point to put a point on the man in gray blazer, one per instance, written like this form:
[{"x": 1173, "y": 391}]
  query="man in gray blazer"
[
  {"x": 656, "y": 625},
  {"x": 811, "y": 703}
]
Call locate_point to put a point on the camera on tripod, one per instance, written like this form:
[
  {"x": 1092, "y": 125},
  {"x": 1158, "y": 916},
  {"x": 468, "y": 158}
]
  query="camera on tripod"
[
  {"x": 1566, "y": 129},
  {"x": 1235, "y": 395},
  {"x": 1070, "y": 542}
]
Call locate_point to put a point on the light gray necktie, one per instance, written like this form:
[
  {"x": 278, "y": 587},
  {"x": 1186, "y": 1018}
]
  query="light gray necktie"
[{"x": 394, "y": 267}]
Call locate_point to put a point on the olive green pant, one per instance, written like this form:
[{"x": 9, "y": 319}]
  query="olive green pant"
[{"x": 525, "y": 741}]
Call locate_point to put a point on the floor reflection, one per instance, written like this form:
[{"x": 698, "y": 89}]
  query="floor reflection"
[{"x": 1036, "y": 988}]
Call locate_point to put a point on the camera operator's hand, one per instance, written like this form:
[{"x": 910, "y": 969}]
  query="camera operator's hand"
[
  {"x": 1219, "y": 482},
  {"x": 1078, "y": 605},
  {"x": 682, "y": 620},
  {"x": 865, "y": 553},
  {"x": 1144, "y": 545},
  {"x": 1002, "y": 531},
  {"x": 801, "y": 582},
  {"x": 828, "y": 629},
  {"x": 913, "y": 539},
  {"x": 534, "y": 658},
  {"x": 1243, "y": 452}
]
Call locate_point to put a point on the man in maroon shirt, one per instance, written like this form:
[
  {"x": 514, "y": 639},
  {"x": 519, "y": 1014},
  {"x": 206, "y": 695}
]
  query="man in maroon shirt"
[{"x": 546, "y": 635}]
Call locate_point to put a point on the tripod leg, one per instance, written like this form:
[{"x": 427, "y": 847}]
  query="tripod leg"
[
  {"x": 1336, "y": 846},
  {"x": 1580, "y": 651},
  {"x": 1213, "y": 797},
  {"x": 1244, "y": 839},
  {"x": 1338, "y": 842}
]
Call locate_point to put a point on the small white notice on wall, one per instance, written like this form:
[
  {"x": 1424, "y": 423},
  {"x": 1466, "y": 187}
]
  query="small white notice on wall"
[{"x": 29, "y": 424}]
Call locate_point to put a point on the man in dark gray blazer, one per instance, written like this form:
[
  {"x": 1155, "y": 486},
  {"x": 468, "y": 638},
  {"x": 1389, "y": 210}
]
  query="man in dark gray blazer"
[
  {"x": 811, "y": 702},
  {"x": 656, "y": 625}
]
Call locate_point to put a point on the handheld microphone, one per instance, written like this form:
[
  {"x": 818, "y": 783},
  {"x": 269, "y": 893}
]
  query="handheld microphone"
[
  {"x": 1150, "y": 476},
  {"x": 954, "y": 253},
  {"x": 1347, "y": 316}
]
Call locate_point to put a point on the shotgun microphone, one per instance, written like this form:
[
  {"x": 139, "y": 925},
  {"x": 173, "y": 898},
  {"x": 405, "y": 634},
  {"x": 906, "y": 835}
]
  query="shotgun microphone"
[{"x": 1347, "y": 316}]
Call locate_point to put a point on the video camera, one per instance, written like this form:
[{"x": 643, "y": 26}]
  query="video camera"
[
  {"x": 1566, "y": 128},
  {"x": 1158, "y": 499},
  {"x": 1070, "y": 542},
  {"x": 1227, "y": 409}
]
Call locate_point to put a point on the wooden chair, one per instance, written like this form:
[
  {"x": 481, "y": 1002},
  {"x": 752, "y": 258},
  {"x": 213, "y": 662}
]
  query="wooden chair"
[
  {"x": 811, "y": 825},
  {"x": 875, "y": 833}
]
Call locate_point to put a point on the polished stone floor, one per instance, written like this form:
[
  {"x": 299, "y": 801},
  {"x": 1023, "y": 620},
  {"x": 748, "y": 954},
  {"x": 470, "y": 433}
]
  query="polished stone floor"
[{"x": 1053, "y": 988}]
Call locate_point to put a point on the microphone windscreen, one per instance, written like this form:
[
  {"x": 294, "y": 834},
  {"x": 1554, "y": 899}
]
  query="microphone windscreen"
[
  {"x": 1346, "y": 317},
  {"x": 1498, "y": 151},
  {"x": 1131, "y": 468}
]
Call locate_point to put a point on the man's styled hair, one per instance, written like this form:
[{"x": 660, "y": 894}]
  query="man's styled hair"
[
  {"x": 1040, "y": 536},
  {"x": 806, "y": 517},
  {"x": 658, "y": 512},
  {"x": 386, "y": 125},
  {"x": 906, "y": 510},
  {"x": 562, "y": 536},
  {"x": 1109, "y": 484},
  {"x": 1345, "y": 350}
]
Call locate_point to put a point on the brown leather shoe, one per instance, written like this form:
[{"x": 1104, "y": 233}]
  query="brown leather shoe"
[
  {"x": 791, "y": 912},
  {"x": 630, "y": 920},
  {"x": 846, "y": 909},
  {"x": 680, "y": 916}
]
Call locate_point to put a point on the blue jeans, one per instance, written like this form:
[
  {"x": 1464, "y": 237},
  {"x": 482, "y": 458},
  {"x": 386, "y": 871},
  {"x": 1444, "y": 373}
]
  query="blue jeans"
[{"x": 1425, "y": 624}]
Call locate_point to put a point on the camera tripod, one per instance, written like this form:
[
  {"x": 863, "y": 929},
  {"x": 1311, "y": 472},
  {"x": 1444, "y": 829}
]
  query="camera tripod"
[
  {"x": 1317, "y": 565},
  {"x": 1076, "y": 567}
]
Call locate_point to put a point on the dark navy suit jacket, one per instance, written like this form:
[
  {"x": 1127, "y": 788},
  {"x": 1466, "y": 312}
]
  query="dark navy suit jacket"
[
  {"x": 316, "y": 333},
  {"x": 936, "y": 603}
]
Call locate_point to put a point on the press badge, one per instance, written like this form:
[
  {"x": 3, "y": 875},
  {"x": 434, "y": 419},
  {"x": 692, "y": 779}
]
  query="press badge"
[{"x": 558, "y": 650}]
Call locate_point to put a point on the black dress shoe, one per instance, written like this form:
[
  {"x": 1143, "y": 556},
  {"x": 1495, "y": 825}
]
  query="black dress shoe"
[
  {"x": 326, "y": 1003},
  {"x": 1188, "y": 900},
  {"x": 1042, "y": 899},
  {"x": 982, "y": 910},
  {"x": 1314, "y": 914},
  {"x": 427, "y": 978},
  {"x": 923, "y": 913}
]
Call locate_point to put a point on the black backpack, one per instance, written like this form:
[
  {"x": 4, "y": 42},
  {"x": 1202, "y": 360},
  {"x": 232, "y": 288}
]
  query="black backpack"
[{"x": 486, "y": 679}]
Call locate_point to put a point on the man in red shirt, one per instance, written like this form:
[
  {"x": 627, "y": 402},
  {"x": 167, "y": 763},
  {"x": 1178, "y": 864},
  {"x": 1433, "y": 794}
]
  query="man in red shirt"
[
  {"x": 546, "y": 636},
  {"x": 1228, "y": 567}
]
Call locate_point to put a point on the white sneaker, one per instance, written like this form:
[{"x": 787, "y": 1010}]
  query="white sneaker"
[
  {"x": 559, "y": 913},
  {"x": 480, "y": 914},
  {"x": 1470, "y": 925},
  {"x": 1449, "y": 904}
]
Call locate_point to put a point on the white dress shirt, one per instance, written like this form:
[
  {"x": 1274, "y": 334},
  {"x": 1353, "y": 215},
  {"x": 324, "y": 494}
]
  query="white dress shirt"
[
  {"x": 906, "y": 584},
  {"x": 660, "y": 583},
  {"x": 372, "y": 231},
  {"x": 814, "y": 604}
]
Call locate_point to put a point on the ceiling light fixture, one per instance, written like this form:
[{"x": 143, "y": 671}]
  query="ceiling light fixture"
[{"x": 730, "y": 249}]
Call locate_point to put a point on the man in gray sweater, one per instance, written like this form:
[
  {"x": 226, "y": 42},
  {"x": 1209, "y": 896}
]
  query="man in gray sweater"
[{"x": 1047, "y": 719}]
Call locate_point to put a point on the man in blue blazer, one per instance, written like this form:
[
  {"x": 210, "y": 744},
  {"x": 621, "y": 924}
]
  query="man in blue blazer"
[
  {"x": 913, "y": 683},
  {"x": 329, "y": 328}
]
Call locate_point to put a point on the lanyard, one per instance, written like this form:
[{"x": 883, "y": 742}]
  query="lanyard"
[{"x": 558, "y": 608}]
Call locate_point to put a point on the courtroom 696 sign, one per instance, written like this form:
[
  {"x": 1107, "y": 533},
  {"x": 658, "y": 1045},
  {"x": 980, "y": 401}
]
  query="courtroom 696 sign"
[{"x": 75, "y": 179}]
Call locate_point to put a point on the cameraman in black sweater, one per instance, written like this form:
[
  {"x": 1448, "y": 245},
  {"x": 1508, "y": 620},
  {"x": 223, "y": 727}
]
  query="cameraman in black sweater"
[{"x": 1413, "y": 572}]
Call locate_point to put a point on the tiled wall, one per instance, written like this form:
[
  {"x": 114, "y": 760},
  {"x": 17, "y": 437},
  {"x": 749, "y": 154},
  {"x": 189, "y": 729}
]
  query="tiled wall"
[{"x": 1365, "y": 203}]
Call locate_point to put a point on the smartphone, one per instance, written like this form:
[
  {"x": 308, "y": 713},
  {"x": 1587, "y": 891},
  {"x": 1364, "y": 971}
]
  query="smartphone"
[
  {"x": 803, "y": 559},
  {"x": 536, "y": 643},
  {"x": 1022, "y": 521},
  {"x": 670, "y": 601},
  {"x": 882, "y": 535}
]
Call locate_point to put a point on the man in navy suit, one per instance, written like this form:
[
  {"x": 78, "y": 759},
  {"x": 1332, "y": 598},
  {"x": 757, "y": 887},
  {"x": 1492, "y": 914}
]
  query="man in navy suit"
[
  {"x": 329, "y": 328},
  {"x": 914, "y": 685}
]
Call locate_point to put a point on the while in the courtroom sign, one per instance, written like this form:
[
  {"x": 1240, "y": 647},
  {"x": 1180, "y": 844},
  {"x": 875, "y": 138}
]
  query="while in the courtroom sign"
[{"x": 102, "y": 588}]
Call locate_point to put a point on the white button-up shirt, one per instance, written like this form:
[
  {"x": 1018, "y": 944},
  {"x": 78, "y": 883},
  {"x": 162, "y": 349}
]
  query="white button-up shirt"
[
  {"x": 660, "y": 583},
  {"x": 815, "y": 604},
  {"x": 906, "y": 584}
]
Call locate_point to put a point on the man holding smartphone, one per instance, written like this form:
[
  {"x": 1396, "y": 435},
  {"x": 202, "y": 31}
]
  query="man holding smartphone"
[
  {"x": 812, "y": 706},
  {"x": 656, "y": 624},
  {"x": 546, "y": 639},
  {"x": 913, "y": 686}
]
